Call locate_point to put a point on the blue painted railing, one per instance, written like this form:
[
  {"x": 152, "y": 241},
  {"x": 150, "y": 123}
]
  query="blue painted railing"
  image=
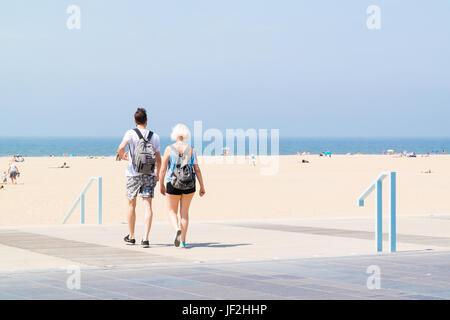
[
  {"x": 377, "y": 186},
  {"x": 81, "y": 200}
]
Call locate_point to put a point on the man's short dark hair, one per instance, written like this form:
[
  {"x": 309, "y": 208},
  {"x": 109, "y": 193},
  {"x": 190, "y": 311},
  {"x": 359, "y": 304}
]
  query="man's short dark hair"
[{"x": 140, "y": 116}]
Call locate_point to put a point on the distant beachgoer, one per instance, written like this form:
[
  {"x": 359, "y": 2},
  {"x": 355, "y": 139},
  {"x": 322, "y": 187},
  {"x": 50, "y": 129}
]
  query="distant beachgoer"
[
  {"x": 13, "y": 172},
  {"x": 180, "y": 165},
  {"x": 141, "y": 140},
  {"x": 252, "y": 160},
  {"x": 64, "y": 166},
  {"x": 225, "y": 151},
  {"x": 5, "y": 177}
]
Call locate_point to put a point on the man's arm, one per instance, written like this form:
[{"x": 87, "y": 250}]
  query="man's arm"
[{"x": 121, "y": 150}]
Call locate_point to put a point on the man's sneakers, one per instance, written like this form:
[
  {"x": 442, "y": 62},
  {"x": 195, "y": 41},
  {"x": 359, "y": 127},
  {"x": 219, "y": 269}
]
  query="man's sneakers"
[
  {"x": 146, "y": 244},
  {"x": 176, "y": 241},
  {"x": 128, "y": 240}
]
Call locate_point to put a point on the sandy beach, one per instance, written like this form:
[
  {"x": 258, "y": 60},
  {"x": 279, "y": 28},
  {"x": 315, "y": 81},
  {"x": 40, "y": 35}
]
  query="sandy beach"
[{"x": 324, "y": 187}]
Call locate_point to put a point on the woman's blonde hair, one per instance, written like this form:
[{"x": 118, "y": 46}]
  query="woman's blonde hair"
[{"x": 180, "y": 130}]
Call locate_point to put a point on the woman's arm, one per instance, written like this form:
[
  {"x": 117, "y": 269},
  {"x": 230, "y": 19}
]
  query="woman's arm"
[
  {"x": 163, "y": 170},
  {"x": 198, "y": 173},
  {"x": 158, "y": 164}
]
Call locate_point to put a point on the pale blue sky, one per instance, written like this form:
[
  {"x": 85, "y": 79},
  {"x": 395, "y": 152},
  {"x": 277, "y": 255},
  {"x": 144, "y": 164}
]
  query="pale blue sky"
[{"x": 308, "y": 68}]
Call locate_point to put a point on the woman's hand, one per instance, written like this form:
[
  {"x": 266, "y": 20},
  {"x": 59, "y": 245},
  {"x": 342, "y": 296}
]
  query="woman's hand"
[
  {"x": 202, "y": 191},
  {"x": 162, "y": 188}
]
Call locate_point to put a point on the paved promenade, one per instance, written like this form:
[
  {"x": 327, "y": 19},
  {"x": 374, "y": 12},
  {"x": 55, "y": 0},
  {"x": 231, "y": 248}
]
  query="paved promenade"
[{"x": 270, "y": 259}]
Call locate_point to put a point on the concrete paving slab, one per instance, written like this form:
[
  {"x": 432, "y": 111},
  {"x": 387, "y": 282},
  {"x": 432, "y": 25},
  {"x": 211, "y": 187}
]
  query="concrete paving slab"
[{"x": 289, "y": 259}]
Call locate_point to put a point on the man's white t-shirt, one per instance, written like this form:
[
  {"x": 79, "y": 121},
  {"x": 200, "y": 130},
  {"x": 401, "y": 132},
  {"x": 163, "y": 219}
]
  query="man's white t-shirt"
[{"x": 132, "y": 139}]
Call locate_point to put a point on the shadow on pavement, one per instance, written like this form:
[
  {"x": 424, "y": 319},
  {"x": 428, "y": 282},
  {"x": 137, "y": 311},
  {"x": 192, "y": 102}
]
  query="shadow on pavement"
[{"x": 204, "y": 244}]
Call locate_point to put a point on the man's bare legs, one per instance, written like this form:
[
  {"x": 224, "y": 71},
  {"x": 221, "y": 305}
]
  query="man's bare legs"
[
  {"x": 185, "y": 203},
  {"x": 148, "y": 216},
  {"x": 131, "y": 216}
]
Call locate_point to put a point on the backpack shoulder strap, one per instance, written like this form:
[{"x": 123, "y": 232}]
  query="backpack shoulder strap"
[
  {"x": 138, "y": 132},
  {"x": 186, "y": 151},
  {"x": 150, "y": 135},
  {"x": 174, "y": 151}
]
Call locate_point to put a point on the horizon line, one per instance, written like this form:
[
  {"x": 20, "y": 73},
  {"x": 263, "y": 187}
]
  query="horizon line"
[{"x": 285, "y": 137}]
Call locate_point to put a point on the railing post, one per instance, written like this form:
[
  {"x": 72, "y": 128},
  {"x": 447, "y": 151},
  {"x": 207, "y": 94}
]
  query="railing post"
[
  {"x": 100, "y": 207},
  {"x": 82, "y": 200},
  {"x": 393, "y": 213},
  {"x": 377, "y": 186},
  {"x": 82, "y": 208},
  {"x": 379, "y": 216}
]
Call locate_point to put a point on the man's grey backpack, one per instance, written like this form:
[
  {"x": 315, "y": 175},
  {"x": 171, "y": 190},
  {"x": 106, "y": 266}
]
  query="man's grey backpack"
[
  {"x": 144, "y": 157},
  {"x": 183, "y": 177}
]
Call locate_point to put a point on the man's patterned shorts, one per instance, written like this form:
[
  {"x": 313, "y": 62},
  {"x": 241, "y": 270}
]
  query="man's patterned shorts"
[{"x": 142, "y": 184}]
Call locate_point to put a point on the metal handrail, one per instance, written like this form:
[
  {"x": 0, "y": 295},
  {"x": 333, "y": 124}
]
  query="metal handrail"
[
  {"x": 377, "y": 187},
  {"x": 81, "y": 200}
]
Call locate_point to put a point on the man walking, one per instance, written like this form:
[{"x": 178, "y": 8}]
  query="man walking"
[{"x": 144, "y": 157}]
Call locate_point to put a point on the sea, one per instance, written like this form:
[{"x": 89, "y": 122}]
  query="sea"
[{"x": 86, "y": 146}]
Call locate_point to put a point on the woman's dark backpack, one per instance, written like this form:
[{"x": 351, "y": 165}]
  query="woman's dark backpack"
[{"x": 183, "y": 177}]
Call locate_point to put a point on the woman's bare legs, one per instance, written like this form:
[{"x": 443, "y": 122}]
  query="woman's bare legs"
[
  {"x": 172, "y": 205},
  {"x": 184, "y": 213}
]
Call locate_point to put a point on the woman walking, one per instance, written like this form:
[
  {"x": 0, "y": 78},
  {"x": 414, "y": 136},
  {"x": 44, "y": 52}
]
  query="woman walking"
[{"x": 179, "y": 169}]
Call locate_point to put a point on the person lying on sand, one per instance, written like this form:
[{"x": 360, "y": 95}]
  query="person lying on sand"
[
  {"x": 64, "y": 166},
  {"x": 426, "y": 171}
]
